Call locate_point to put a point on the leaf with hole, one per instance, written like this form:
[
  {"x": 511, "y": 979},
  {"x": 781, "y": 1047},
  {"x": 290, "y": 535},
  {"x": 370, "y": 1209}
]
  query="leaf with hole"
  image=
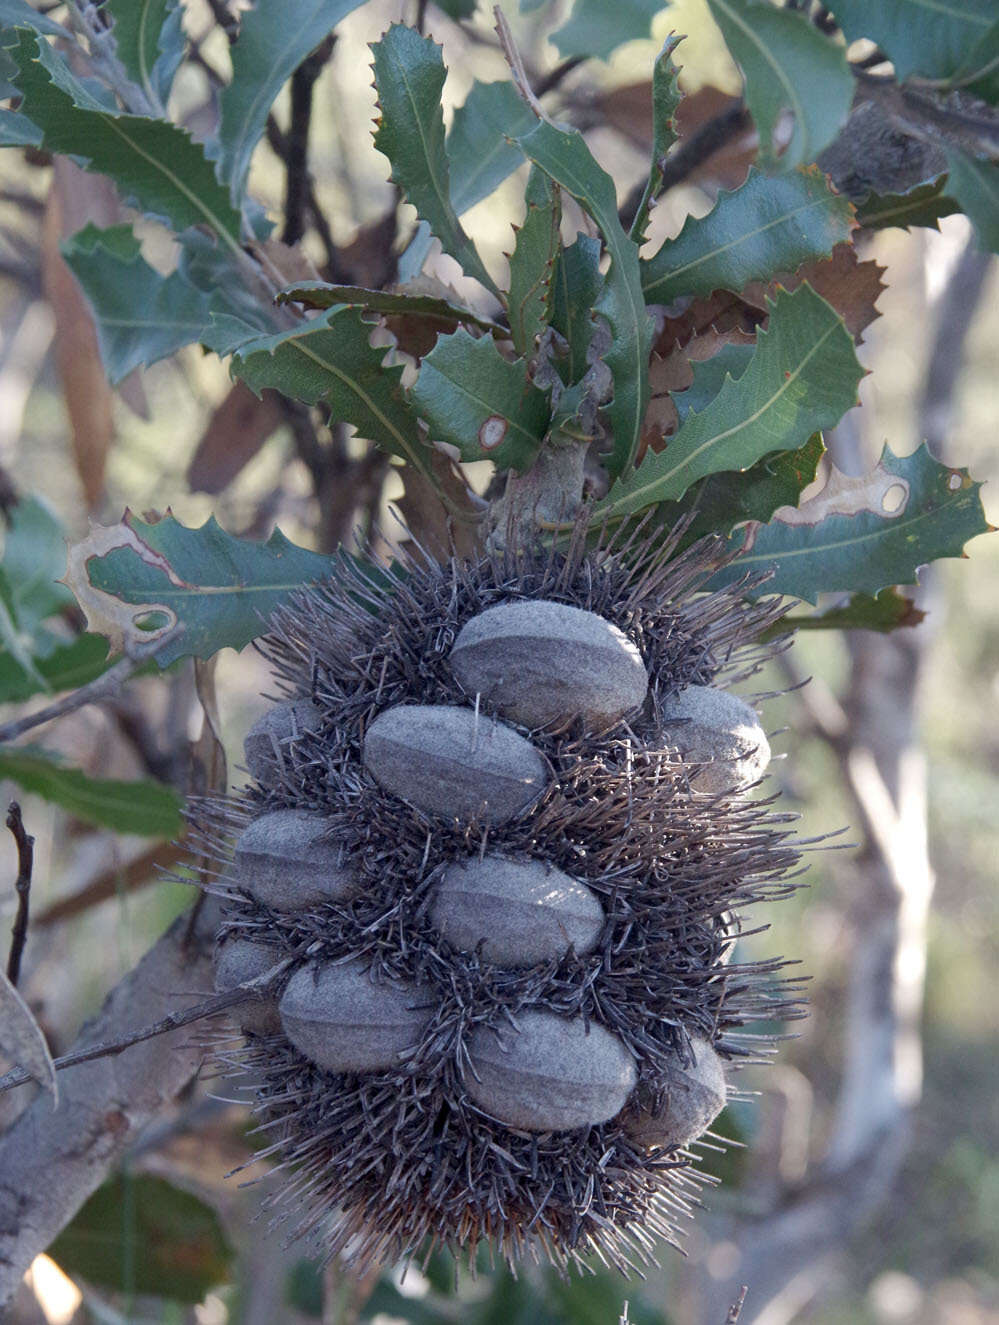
[
  {"x": 769, "y": 225},
  {"x": 482, "y": 404},
  {"x": 149, "y": 809},
  {"x": 865, "y": 534},
  {"x": 196, "y": 590},
  {"x": 409, "y": 77},
  {"x": 789, "y": 67},
  {"x": 141, "y": 1234},
  {"x": 156, "y": 165},
  {"x": 803, "y": 377},
  {"x": 565, "y": 157}
]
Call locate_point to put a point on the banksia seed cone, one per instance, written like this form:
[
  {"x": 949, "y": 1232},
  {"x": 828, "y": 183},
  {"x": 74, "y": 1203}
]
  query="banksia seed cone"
[{"x": 496, "y": 845}]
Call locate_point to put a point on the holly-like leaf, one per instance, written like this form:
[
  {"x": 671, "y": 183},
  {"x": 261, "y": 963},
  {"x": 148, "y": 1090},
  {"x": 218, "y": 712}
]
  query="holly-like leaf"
[
  {"x": 149, "y": 809},
  {"x": 886, "y": 611},
  {"x": 770, "y": 225},
  {"x": 597, "y": 28},
  {"x": 22, "y": 1043},
  {"x": 865, "y": 534},
  {"x": 531, "y": 263},
  {"x": 975, "y": 185},
  {"x": 196, "y": 590},
  {"x": 409, "y": 76},
  {"x": 666, "y": 98},
  {"x": 275, "y": 36},
  {"x": 140, "y": 1234},
  {"x": 924, "y": 204},
  {"x": 565, "y": 157},
  {"x": 149, "y": 41},
  {"x": 576, "y": 283},
  {"x": 479, "y": 149},
  {"x": 788, "y": 66},
  {"x": 154, "y": 163},
  {"x": 331, "y": 358},
  {"x": 141, "y": 316},
  {"x": 709, "y": 377},
  {"x": 482, "y": 404},
  {"x": 803, "y": 377},
  {"x": 317, "y": 294},
  {"x": 919, "y": 37}
]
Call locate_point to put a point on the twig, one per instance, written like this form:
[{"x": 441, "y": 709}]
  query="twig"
[
  {"x": 551, "y": 80},
  {"x": 421, "y": 15},
  {"x": 514, "y": 59},
  {"x": 297, "y": 192},
  {"x": 735, "y": 1310},
  {"x": 22, "y": 886},
  {"x": 102, "y": 687}
]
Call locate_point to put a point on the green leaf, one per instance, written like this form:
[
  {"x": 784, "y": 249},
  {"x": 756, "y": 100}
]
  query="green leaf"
[
  {"x": 17, "y": 130},
  {"x": 924, "y": 204},
  {"x": 975, "y": 185},
  {"x": 153, "y": 162},
  {"x": 331, "y": 358},
  {"x": 772, "y": 224},
  {"x": 803, "y": 377},
  {"x": 19, "y": 14},
  {"x": 150, "y": 43},
  {"x": 564, "y": 155},
  {"x": 140, "y": 1234},
  {"x": 666, "y": 98},
  {"x": 457, "y": 8},
  {"x": 598, "y": 28},
  {"x": 478, "y": 147},
  {"x": 64, "y": 666},
  {"x": 885, "y": 611},
  {"x": 924, "y": 37},
  {"x": 576, "y": 285},
  {"x": 474, "y": 399},
  {"x": 709, "y": 377},
  {"x": 531, "y": 263},
  {"x": 881, "y": 544},
  {"x": 788, "y": 65},
  {"x": 409, "y": 76},
  {"x": 317, "y": 294},
  {"x": 34, "y": 560},
  {"x": 210, "y": 589},
  {"x": 141, "y": 316},
  {"x": 149, "y": 809},
  {"x": 275, "y": 36}
]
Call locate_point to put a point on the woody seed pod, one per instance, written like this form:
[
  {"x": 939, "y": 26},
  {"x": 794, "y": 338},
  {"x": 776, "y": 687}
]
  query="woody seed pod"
[
  {"x": 694, "y": 1097},
  {"x": 266, "y": 742},
  {"x": 544, "y": 662},
  {"x": 283, "y": 861},
  {"x": 344, "y": 1022},
  {"x": 720, "y": 731},
  {"x": 453, "y": 762},
  {"x": 522, "y": 913},
  {"x": 550, "y": 1074},
  {"x": 239, "y": 960}
]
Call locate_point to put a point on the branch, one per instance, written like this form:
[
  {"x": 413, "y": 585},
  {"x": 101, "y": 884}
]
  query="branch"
[
  {"x": 102, "y": 687},
  {"x": 297, "y": 179},
  {"x": 22, "y": 886}
]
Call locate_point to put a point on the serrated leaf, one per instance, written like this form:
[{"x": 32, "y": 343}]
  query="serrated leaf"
[
  {"x": 576, "y": 285},
  {"x": 317, "y": 294},
  {"x": 22, "y": 1042},
  {"x": 140, "y": 1234},
  {"x": 925, "y": 37},
  {"x": 17, "y": 130},
  {"x": 788, "y": 66},
  {"x": 478, "y": 147},
  {"x": 666, "y": 98},
  {"x": 275, "y": 36},
  {"x": 531, "y": 263},
  {"x": 19, "y": 14},
  {"x": 149, "y": 809},
  {"x": 598, "y": 28},
  {"x": 197, "y": 590},
  {"x": 869, "y": 533},
  {"x": 709, "y": 377},
  {"x": 409, "y": 76},
  {"x": 924, "y": 204},
  {"x": 149, "y": 41},
  {"x": 975, "y": 185},
  {"x": 803, "y": 377},
  {"x": 140, "y": 316},
  {"x": 154, "y": 163},
  {"x": 771, "y": 224},
  {"x": 886, "y": 611},
  {"x": 474, "y": 399},
  {"x": 565, "y": 157},
  {"x": 331, "y": 358}
]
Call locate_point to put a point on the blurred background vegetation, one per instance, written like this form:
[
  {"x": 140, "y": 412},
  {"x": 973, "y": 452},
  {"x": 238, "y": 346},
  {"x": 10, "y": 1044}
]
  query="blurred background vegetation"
[{"x": 931, "y": 1253}]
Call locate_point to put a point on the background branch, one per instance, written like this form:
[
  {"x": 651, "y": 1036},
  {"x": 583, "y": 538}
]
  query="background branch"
[{"x": 22, "y": 886}]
